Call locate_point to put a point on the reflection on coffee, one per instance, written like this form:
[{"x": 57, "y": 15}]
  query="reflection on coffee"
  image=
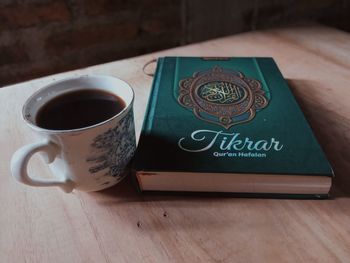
[{"x": 78, "y": 109}]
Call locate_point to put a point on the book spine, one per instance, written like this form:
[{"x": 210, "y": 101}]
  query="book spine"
[
  {"x": 149, "y": 114},
  {"x": 152, "y": 101}
]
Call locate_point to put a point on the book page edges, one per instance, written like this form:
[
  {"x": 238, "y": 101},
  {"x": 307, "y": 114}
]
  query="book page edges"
[{"x": 235, "y": 183}]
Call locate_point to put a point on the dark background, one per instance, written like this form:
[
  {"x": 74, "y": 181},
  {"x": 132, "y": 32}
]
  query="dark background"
[{"x": 40, "y": 37}]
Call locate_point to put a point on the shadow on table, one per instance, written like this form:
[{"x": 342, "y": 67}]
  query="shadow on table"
[
  {"x": 126, "y": 191},
  {"x": 319, "y": 104}
]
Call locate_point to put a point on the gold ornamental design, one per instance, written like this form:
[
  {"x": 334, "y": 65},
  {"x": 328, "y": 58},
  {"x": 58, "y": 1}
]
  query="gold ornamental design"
[{"x": 221, "y": 96}]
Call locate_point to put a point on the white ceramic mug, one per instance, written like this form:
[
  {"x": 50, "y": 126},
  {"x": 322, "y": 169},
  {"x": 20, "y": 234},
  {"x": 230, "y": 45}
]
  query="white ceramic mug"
[{"x": 87, "y": 159}]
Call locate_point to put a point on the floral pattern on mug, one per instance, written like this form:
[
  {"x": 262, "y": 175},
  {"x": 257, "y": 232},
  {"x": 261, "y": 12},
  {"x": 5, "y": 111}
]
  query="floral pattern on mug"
[{"x": 113, "y": 150}]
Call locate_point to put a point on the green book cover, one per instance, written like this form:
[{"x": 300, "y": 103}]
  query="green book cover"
[{"x": 226, "y": 115}]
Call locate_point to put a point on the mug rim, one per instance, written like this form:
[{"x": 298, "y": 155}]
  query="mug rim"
[{"x": 40, "y": 129}]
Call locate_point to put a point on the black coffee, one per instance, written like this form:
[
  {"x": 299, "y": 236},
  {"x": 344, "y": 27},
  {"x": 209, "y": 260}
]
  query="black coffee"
[{"x": 78, "y": 109}]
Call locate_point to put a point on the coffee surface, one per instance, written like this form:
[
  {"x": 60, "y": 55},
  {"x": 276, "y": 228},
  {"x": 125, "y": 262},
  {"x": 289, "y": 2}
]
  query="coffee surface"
[{"x": 79, "y": 109}]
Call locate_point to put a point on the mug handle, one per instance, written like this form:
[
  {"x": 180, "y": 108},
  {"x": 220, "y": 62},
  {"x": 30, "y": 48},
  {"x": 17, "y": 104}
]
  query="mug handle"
[{"x": 20, "y": 160}]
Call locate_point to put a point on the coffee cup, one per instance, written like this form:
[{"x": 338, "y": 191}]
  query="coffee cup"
[{"x": 86, "y": 133}]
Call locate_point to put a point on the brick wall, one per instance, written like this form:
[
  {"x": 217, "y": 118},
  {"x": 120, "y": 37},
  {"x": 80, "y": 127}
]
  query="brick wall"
[{"x": 41, "y": 37}]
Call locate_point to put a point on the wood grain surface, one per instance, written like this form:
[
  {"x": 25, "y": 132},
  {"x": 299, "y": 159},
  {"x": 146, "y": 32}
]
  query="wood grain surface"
[{"x": 119, "y": 225}]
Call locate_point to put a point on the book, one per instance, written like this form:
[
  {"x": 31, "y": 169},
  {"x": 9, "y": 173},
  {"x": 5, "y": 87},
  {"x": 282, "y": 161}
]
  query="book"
[{"x": 228, "y": 125}]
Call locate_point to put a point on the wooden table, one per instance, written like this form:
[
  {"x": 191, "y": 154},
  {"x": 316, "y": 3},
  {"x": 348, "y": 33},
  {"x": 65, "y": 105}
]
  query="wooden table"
[{"x": 119, "y": 225}]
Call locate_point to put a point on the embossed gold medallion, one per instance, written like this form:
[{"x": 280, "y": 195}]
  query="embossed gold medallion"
[{"x": 222, "y": 96}]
